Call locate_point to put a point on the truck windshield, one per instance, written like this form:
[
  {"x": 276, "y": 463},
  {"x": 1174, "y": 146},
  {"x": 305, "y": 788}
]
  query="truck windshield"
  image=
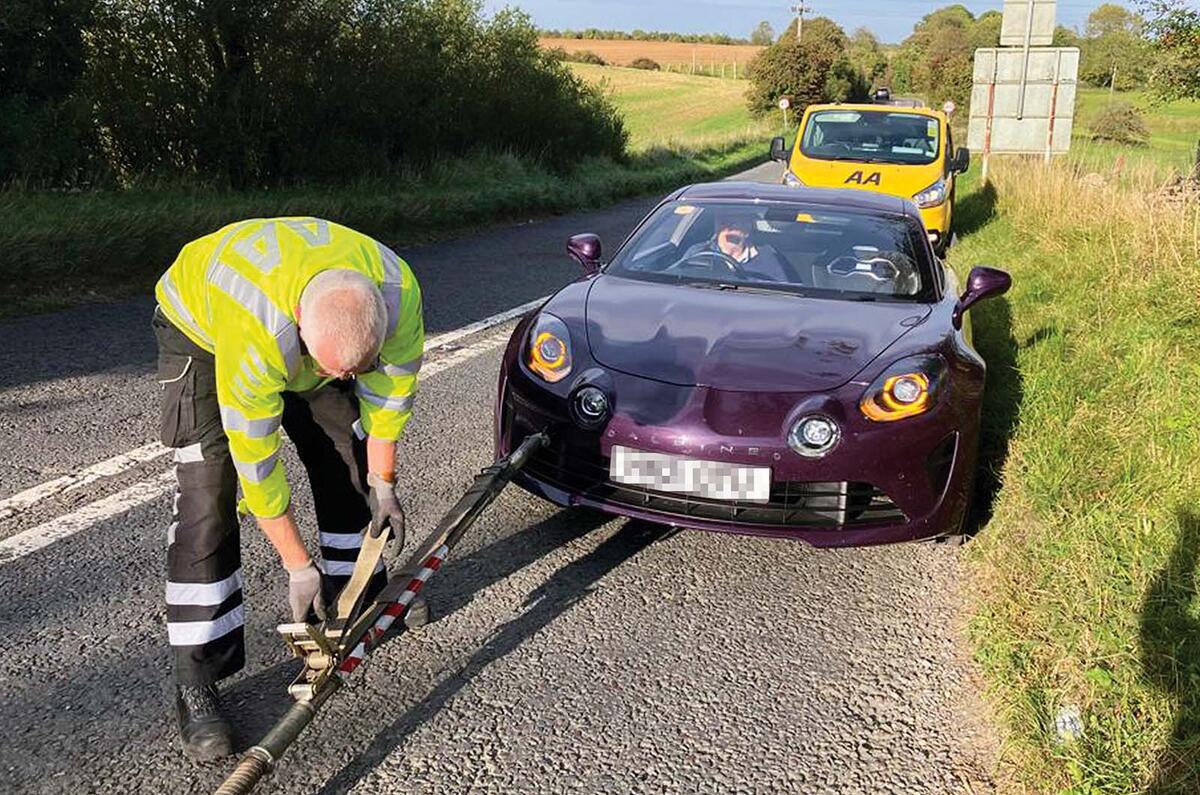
[{"x": 873, "y": 136}]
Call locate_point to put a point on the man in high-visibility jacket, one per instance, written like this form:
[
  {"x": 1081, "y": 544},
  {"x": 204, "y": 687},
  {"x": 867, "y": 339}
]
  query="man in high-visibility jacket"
[{"x": 292, "y": 322}]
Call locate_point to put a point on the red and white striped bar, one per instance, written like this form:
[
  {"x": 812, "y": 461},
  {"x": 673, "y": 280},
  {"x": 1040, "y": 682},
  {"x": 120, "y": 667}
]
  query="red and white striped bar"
[{"x": 394, "y": 610}]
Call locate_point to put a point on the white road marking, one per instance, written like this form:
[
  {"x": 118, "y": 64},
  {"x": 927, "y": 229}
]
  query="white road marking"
[
  {"x": 24, "y": 500},
  {"x": 460, "y": 355},
  {"x": 439, "y": 340},
  {"x": 43, "y": 535},
  {"x": 46, "y": 533}
]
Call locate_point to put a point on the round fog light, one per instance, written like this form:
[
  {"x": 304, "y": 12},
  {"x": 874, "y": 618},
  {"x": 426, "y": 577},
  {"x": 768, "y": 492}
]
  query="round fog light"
[
  {"x": 591, "y": 407},
  {"x": 593, "y": 403},
  {"x": 814, "y": 435}
]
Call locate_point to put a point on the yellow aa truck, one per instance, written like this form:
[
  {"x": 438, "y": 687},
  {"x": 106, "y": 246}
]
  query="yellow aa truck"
[{"x": 892, "y": 146}]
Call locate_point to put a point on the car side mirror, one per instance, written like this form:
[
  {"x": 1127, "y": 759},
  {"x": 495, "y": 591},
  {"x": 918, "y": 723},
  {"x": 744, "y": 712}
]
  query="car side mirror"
[
  {"x": 585, "y": 249},
  {"x": 983, "y": 282},
  {"x": 779, "y": 152},
  {"x": 962, "y": 160}
]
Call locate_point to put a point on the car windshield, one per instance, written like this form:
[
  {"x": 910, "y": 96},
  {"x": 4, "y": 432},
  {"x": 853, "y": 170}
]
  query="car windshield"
[
  {"x": 818, "y": 251},
  {"x": 873, "y": 136}
]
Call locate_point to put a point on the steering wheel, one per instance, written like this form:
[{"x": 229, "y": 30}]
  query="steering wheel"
[
  {"x": 875, "y": 268},
  {"x": 713, "y": 257}
]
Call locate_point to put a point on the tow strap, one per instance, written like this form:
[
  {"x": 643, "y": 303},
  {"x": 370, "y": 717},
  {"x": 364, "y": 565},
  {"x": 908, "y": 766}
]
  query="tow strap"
[{"x": 339, "y": 645}]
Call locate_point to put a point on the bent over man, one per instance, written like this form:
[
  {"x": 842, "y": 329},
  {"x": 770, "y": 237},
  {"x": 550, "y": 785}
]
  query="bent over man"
[{"x": 292, "y": 322}]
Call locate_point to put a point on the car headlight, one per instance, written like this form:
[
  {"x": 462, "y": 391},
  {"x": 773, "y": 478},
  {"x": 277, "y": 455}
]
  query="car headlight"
[
  {"x": 909, "y": 387},
  {"x": 791, "y": 179},
  {"x": 549, "y": 352},
  {"x": 932, "y": 196}
]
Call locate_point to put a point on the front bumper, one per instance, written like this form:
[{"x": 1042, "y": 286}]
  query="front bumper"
[{"x": 883, "y": 483}]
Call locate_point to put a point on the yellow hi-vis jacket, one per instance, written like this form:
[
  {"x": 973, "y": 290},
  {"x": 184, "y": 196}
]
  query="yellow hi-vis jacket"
[{"x": 235, "y": 292}]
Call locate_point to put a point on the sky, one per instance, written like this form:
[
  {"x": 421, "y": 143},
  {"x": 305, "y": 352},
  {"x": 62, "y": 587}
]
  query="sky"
[{"x": 890, "y": 20}]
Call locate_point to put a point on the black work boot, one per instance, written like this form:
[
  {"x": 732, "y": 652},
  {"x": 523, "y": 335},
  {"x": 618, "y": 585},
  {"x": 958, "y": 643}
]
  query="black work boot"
[{"x": 205, "y": 732}]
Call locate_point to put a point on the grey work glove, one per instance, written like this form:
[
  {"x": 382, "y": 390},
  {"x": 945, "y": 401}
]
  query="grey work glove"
[
  {"x": 385, "y": 509},
  {"x": 304, "y": 592}
]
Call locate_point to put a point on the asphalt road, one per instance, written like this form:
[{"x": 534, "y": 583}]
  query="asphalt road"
[{"x": 572, "y": 653}]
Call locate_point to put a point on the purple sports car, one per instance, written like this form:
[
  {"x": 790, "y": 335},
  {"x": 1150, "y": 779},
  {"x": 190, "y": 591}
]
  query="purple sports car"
[{"x": 757, "y": 359}]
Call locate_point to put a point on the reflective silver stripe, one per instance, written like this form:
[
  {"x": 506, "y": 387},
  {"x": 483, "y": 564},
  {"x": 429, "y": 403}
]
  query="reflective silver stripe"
[
  {"x": 247, "y": 294},
  {"x": 289, "y": 346},
  {"x": 234, "y": 420},
  {"x": 256, "y": 471},
  {"x": 401, "y": 403},
  {"x": 250, "y": 376},
  {"x": 189, "y": 455},
  {"x": 256, "y": 360},
  {"x": 171, "y": 533},
  {"x": 344, "y": 568},
  {"x": 218, "y": 250},
  {"x": 196, "y": 633},
  {"x": 358, "y": 429},
  {"x": 317, "y": 236},
  {"x": 391, "y": 287},
  {"x": 171, "y": 292},
  {"x": 269, "y": 258},
  {"x": 341, "y": 540},
  {"x": 240, "y": 385},
  {"x": 408, "y": 368},
  {"x": 203, "y": 594}
]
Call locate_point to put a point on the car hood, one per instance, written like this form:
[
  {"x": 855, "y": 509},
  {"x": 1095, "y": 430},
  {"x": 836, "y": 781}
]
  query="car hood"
[{"x": 749, "y": 342}]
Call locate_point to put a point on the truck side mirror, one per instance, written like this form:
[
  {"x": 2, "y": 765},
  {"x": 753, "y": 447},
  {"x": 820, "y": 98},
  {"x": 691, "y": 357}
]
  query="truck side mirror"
[
  {"x": 779, "y": 152},
  {"x": 962, "y": 160},
  {"x": 983, "y": 282},
  {"x": 585, "y": 249}
]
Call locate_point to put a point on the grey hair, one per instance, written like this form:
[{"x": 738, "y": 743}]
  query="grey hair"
[{"x": 343, "y": 310}]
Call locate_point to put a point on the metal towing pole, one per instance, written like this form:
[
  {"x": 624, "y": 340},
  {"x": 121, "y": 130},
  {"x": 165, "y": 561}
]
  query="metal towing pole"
[{"x": 391, "y": 604}]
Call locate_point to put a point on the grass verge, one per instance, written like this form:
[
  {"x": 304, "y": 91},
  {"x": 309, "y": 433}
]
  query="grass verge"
[
  {"x": 66, "y": 249},
  {"x": 1086, "y": 569}
]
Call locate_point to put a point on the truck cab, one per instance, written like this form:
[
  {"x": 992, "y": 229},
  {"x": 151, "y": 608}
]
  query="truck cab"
[{"x": 898, "y": 146}]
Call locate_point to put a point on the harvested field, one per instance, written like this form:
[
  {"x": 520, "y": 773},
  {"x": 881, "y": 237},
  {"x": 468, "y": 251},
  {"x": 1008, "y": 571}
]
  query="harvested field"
[{"x": 672, "y": 53}]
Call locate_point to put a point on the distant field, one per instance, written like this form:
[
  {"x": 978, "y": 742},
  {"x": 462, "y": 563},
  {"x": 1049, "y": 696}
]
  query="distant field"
[
  {"x": 662, "y": 109},
  {"x": 1174, "y": 130},
  {"x": 666, "y": 53}
]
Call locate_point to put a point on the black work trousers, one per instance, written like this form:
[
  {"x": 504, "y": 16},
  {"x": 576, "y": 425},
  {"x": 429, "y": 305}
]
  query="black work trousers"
[{"x": 205, "y": 614}]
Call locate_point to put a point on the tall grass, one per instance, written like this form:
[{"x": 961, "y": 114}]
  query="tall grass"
[
  {"x": 62, "y": 249},
  {"x": 1085, "y": 571}
]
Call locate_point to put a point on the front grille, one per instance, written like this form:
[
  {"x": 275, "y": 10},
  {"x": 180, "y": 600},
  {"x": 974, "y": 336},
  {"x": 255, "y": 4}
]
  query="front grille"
[
  {"x": 573, "y": 463},
  {"x": 792, "y": 503}
]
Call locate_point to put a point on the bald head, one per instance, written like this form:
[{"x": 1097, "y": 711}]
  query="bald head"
[{"x": 343, "y": 321}]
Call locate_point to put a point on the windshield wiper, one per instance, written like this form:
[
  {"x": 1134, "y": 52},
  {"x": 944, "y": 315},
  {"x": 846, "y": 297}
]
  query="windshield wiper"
[
  {"x": 746, "y": 288},
  {"x": 713, "y": 285}
]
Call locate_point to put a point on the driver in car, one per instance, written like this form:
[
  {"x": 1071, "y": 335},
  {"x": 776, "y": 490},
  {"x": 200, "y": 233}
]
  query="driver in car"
[{"x": 734, "y": 242}]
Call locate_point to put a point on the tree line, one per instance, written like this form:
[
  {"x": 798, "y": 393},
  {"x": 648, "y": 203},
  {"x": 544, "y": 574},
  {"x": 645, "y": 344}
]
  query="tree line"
[
  {"x": 250, "y": 93},
  {"x": 1156, "y": 47},
  {"x": 642, "y": 35}
]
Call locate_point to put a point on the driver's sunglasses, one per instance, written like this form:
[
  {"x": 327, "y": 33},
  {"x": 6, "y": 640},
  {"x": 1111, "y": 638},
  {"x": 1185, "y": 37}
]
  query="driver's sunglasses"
[{"x": 735, "y": 237}]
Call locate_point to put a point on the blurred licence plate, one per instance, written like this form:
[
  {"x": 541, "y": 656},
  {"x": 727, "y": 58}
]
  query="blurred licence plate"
[{"x": 714, "y": 480}]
